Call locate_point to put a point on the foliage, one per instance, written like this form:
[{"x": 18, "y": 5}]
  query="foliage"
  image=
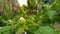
[
  {"x": 36, "y": 18},
  {"x": 58, "y": 31}
]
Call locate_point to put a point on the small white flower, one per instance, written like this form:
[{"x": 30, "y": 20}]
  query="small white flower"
[
  {"x": 22, "y": 2},
  {"x": 10, "y": 20},
  {"x": 22, "y": 20},
  {"x": 1, "y": 27}
]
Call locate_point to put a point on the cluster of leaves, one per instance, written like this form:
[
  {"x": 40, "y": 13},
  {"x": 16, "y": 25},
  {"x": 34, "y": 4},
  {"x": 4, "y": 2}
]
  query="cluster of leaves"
[{"x": 36, "y": 18}]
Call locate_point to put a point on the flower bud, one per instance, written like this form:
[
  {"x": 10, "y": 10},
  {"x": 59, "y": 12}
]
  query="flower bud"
[{"x": 22, "y": 20}]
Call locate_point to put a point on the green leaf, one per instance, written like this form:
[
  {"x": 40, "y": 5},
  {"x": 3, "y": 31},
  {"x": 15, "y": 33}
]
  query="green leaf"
[
  {"x": 51, "y": 13},
  {"x": 21, "y": 29},
  {"x": 32, "y": 23},
  {"x": 58, "y": 31},
  {"x": 6, "y": 30},
  {"x": 45, "y": 30},
  {"x": 33, "y": 29}
]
